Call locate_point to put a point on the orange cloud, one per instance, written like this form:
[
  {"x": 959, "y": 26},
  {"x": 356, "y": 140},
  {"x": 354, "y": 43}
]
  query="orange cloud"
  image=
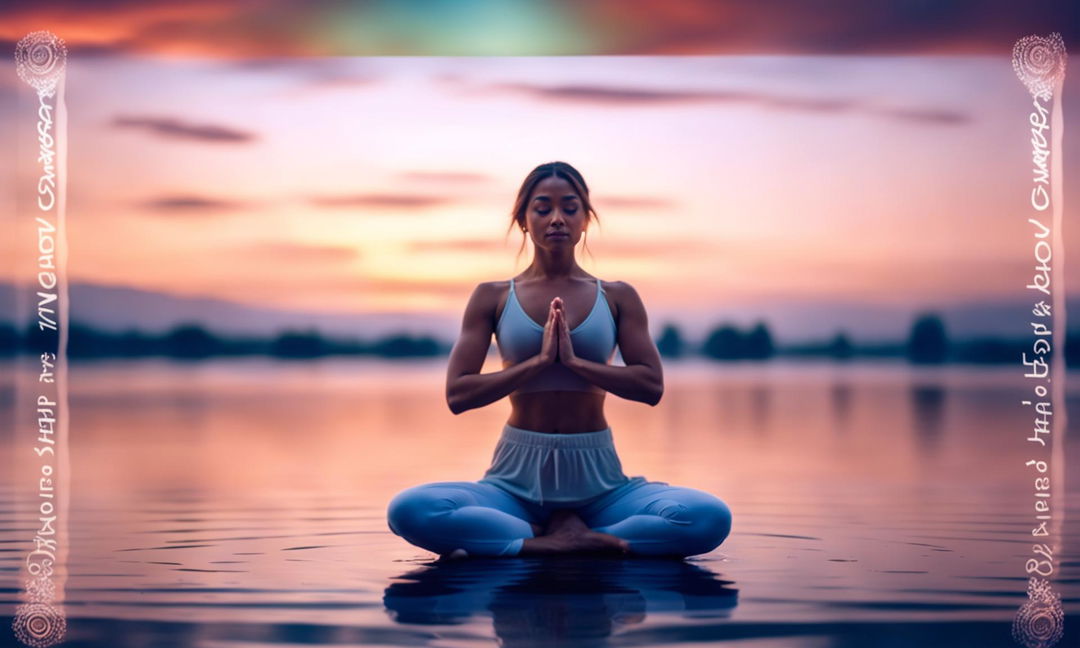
[{"x": 625, "y": 96}]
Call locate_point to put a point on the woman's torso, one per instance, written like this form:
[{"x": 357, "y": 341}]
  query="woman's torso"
[{"x": 559, "y": 411}]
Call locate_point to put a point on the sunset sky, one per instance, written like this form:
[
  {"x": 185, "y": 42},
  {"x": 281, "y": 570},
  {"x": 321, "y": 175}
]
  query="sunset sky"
[{"x": 279, "y": 168}]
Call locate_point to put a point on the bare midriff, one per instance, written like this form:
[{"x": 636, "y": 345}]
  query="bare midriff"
[{"x": 558, "y": 412}]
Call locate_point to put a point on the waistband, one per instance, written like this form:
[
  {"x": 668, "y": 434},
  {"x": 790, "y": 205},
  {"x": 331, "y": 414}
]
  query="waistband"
[{"x": 597, "y": 439}]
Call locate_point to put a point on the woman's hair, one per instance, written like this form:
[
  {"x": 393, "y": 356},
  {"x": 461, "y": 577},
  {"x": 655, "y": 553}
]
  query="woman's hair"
[{"x": 548, "y": 170}]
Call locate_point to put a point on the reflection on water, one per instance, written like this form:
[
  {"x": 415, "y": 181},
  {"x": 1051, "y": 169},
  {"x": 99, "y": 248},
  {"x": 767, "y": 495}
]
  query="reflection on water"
[
  {"x": 243, "y": 504},
  {"x": 564, "y": 598},
  {"x": 841, "y": 406},
  {"x": 928, "y": 406}
]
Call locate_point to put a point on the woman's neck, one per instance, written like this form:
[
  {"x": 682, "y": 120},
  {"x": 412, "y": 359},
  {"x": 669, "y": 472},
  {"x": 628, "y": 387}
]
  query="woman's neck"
[{"x": 550, "y": 267}]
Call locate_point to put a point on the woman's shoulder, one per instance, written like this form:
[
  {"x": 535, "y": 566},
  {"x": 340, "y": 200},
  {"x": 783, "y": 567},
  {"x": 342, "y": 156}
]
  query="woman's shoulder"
[
  {"x": 490, "y": 296},
  {"x": 491, "y": 288},
  {"x": 619, "y": 289},
  {"x": 623, "y": 296}
]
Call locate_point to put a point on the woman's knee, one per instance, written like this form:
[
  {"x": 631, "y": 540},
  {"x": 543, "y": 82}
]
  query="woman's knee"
[
  {"x": 410, "y": 509},
  {"x": 712, "y": 522}
]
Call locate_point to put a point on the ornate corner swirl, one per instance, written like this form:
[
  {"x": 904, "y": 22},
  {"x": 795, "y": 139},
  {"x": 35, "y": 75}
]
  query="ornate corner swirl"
[
  {"x": 40, "y": 590},
  {"x": 40, "y": 59},
  {"x": 39, "y": 625},
  {"x": 1040, "y": 63},
  {"x": 1039, "y": 623}
]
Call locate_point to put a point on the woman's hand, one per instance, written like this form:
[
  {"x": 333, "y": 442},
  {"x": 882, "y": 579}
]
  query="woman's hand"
[
  {"x": 566, "y": 347},
  {"x": 549, "y": 348}
]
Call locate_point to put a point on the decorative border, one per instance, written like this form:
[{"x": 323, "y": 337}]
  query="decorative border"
[
  {"x": 1040, "y": 64},
  {"x": 41, "y": 60}
]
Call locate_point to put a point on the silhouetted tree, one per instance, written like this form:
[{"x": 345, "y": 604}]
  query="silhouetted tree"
[
  {"x": 988, "y": 350},
  {"x": 928, "y": 342},
  {"x": 191, "y": 341},
  {"x": 758, "y": 343},
  {"x": 36, "y": 340},
  {"x": 729, "y": 343},
  {"x": 840, "y": 347},
  {"x": 723, "y": 343},
  {"x": 294, "y": 344},
  {"x": 400, "y": 346},
  {"x": 670, "y": 343},
  {"x": 9, "y": 340},
  {"x": 87, "y": 342},
  {"x": 133, "y": 343}
]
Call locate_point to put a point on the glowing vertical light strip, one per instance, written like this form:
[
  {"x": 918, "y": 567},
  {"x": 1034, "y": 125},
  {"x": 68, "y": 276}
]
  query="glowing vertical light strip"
[
  {"x": 1040, "y": 64},
  {"x": 40, "y": 59}
]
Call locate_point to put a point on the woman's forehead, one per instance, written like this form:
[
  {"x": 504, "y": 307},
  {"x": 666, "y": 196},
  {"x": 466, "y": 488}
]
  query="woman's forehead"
[{"x": 554, "y": 187}]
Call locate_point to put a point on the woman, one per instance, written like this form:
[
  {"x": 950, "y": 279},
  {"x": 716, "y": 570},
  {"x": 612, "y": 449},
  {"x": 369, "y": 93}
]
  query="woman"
[{"x": 556, "y": 483}]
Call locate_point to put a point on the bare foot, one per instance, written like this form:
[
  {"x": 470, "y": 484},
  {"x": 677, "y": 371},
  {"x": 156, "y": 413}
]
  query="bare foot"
[
  {"x": 567, "y": 532},
  {"x": 589, "y": 541},
  {"x": 565, "y": 521}
]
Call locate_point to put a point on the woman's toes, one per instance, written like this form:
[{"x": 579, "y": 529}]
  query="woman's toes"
[{"x": 598, "y": 541}]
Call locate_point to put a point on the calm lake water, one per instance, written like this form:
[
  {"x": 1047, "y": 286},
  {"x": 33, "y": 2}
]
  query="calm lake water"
[{"x": 242, "y": 504}]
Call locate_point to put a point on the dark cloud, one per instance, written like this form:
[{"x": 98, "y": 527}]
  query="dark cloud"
[
  {"x": 174, "y": 128},
  {"x": 947, "y": 117},
  {"x": 189, "y": 204},
  {"x": 309, "y": 73},
  {"x": 835, "y": 27},
  {"x": 405, "y": 201},
  {"x": 611, "y": 96},
  {"x": 605, "y": 95}
]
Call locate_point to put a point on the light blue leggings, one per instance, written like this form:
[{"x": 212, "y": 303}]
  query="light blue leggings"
[{"x": 657, "y": 519}]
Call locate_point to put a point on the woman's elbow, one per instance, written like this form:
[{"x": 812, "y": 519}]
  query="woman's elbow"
[
  {"x": 454, "y": 400},
  {"x": 653, "y": 392},
  {"x": 456, "y": 404},
  {"x": 654, "y": 395}
]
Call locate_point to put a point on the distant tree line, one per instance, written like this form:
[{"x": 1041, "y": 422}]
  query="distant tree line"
[
  {"x": 193, "y": 341},
  {"x": 927, "y": 343}
]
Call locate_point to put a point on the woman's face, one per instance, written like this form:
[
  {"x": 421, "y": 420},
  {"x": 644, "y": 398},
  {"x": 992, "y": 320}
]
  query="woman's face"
[{"x": 554, "y": 216}]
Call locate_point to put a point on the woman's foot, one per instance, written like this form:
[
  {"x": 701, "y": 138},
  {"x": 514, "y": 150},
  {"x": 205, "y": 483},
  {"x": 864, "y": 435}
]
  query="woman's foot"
[{"x": 566, "y": 532}]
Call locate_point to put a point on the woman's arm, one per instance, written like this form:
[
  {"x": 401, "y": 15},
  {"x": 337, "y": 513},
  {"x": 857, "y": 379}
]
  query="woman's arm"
[
  {"x": 642, "y": 379},
  {"x": 466, "y": 387}
]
